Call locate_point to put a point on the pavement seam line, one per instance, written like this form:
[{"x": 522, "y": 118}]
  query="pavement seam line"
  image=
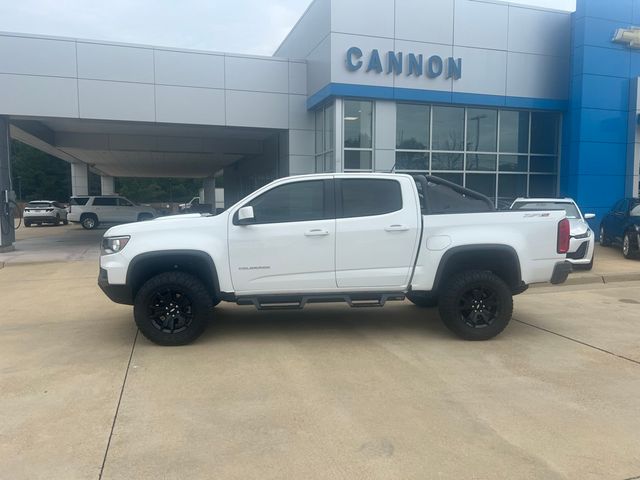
[
  {"x": 115, "y": 417},
  {"x": 585, "y": 344}
]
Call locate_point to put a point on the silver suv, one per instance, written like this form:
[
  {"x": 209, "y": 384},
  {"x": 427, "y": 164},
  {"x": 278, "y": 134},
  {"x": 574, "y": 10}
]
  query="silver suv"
[
  {"x": 91, "y": 211},
  {"x": 39, "y": 212}
]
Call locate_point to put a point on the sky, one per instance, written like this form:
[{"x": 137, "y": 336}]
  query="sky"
[{"x": 253, "y": 27}]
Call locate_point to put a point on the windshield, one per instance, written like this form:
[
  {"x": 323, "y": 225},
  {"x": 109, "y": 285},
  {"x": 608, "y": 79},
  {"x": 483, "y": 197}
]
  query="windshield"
[
  {"x": 39, "y": 204},
  {"x": 570, "y": 209}
]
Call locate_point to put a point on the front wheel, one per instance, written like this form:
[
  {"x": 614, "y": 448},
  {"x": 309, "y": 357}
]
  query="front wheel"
[
  {"x": 629, "y": 247},
  {"x": 172, "y": 308},
  {"x": 476, "y": 305}
]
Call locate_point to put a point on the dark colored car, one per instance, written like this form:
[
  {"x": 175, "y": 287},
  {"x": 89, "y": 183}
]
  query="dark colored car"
[{"x": 621, "y": 226}]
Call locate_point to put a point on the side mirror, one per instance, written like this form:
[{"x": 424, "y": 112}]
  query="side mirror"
[
  {"x": 589, "y": 216},
  {"x": 246, "y": 216}
]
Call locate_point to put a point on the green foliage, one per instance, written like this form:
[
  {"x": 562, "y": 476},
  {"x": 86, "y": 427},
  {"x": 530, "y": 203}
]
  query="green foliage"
[
  {"x": 39, "y": 176},
  {"x": 158, "y": 189}
]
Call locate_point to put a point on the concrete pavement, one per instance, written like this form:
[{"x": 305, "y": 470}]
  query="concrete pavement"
[
  {"x": 54, "y": 243},
  {"x": 330, "y": 392}
]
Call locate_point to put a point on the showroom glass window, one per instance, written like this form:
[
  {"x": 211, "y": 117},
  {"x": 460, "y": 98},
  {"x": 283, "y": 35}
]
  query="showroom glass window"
[
  {"x": 325, "y": 139},
  {"x": 358, "y": 135},
  {"x": 501, "y": 153}
]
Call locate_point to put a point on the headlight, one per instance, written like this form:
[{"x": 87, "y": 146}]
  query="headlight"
[
  {"x": 113, "y": 244},
  {"x": 637, "y": 228},
  {"x": 586, "y": 234}
]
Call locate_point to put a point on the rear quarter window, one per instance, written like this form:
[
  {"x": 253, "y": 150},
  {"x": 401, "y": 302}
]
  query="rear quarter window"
[{"x": 78, "y": 200}]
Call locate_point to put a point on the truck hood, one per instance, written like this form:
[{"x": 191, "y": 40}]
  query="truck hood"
[{"x": 169, "y": 223}]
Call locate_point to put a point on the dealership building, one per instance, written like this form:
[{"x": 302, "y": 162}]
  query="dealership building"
[{"x": 503, "y": 98}]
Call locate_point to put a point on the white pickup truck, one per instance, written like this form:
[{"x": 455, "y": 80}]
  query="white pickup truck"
[{"x": 361, "y": 238}]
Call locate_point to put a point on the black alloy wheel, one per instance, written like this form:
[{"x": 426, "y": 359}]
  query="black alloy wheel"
[
  {"x": 170, "y": 310},
  {"x": 478, "y": 306}
]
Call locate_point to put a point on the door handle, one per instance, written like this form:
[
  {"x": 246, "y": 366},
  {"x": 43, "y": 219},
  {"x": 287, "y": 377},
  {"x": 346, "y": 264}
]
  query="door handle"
[
  {"x": 316, "y": 232},
  {"x": 396, "y": 228}
]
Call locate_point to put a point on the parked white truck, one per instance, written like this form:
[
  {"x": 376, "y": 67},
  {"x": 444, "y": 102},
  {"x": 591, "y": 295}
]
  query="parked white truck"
[{"x": 360, "y": 238}]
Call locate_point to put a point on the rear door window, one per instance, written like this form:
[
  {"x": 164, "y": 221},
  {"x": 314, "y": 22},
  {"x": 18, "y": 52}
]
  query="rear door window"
[{"x": 366, "y": 197}]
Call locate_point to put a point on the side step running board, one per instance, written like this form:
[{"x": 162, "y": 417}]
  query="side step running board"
[{"x": 356, "y": 300}]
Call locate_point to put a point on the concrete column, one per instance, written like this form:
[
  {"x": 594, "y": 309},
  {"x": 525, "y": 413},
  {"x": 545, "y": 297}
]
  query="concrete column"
[
  {"x": 107, "y": 185},
  {"x": 209, "y": 190},
  {"x": 79, "y": 179},
  {"x": 339, "y": 139},
  {"x": 7, "y": 233}
]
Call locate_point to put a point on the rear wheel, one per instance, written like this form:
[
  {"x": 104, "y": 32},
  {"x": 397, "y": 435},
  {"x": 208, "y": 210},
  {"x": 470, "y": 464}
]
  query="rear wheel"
[
  {"x": 604, "y": 240},
  {"x": 629, "y": 246},
  {"x": 422, "y": 299},
  {"x": 476, "y": 305},
  {"x": 89, "y": 221},
  {"x": 172, "y": 308}
]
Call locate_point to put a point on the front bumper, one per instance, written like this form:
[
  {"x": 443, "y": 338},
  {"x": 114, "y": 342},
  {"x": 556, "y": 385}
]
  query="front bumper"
[
  {"x": 116, "y": 293},
  {"x": 581, "y": 250},
  {"x": 560, "y": 272}
]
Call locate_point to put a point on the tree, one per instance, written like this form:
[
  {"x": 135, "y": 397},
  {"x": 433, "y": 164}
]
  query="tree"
[{"x": 37, "y": 175}]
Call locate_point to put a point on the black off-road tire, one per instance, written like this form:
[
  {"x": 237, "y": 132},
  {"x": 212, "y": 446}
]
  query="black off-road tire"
[
  {"x": 423, "y": 300},
  {"x": 471, "y": 290},
  {"x": 65, "y": 222},
  {"x": 182, "y": 288},
  {"x": 89, "y": 221},
  {"x": 27, "y": 223}
]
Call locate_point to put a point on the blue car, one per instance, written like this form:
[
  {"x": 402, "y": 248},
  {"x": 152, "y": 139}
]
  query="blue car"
[{"x": 621, "y": 226}]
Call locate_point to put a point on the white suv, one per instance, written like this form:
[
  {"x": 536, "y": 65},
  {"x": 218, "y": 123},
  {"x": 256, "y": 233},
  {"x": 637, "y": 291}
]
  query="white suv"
[
  {"x": 44, "y": 211},
  {"x": 91, "y": 211}
]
